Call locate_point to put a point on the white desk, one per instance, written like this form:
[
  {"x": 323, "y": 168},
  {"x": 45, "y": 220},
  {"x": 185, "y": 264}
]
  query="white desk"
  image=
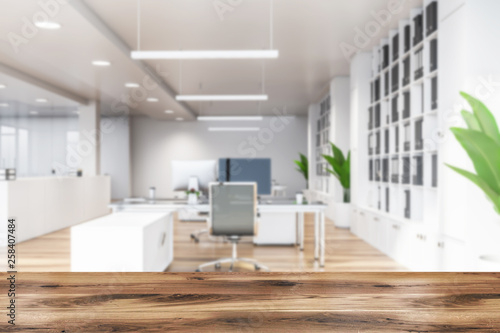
[
  {"x": 123, "y": 242},
  {"x": 274, "y": 206}
]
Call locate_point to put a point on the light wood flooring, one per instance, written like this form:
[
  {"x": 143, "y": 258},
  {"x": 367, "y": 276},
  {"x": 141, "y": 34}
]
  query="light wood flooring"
[{"x": 344, "y": 252}]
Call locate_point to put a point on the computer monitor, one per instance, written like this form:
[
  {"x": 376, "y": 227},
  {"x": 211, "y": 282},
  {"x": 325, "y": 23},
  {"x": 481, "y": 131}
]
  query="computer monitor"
[
  {"x": 193, "y": 174},
  {"x": 256, "y": 170}
]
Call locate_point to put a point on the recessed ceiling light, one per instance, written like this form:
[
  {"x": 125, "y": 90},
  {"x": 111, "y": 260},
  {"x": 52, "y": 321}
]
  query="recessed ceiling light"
[
  {"x": 34, "y": 112},
  {"x": 234, "y": 129},
  {"x": 101, "y": 63},
  {"x": 3, "y": 86},
  {"x": 4, "y": 105},
  {"x": 132, "y": 85},
  {"x": 152, "y": 99},
  {"x": 209, "y": 54},
  {"x": 49, "y": 25},
  {"x": 41, "y": 100},
  {"x": 230, "y": 118},
  {"x": 169, "y": 111},
  {"x": 179, "y": 119},
  {"x": 221, "y": 97}
]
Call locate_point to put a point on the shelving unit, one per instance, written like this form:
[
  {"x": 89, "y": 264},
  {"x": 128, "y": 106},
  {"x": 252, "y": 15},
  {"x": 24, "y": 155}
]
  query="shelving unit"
[
  {"x": 403, "y": 117},
  {"x": 434, "y": 219},
  {"x": 322, "y": 137}
]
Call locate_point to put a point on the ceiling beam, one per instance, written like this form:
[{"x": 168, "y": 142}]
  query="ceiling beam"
[
  {"x": 119, "y": 43},
  {"x": 17, "y": 74}
]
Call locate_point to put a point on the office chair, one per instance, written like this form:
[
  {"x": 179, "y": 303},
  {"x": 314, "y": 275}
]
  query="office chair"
[{"x": 233, "y": 214}]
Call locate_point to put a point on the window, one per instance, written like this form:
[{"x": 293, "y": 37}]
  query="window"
[{"x": 7, "y": 147}]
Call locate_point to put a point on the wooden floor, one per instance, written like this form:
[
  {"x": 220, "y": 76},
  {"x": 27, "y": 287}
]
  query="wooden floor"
[
  {"x": 344, "y": 252},
  {"x": 249, "y": 302}
]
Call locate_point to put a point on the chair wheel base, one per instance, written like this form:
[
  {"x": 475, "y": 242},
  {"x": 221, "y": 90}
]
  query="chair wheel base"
[{"x": 217, "y": 265}]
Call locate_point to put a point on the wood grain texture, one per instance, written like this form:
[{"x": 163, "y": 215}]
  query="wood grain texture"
[
  {"x": 344, "y": 252},
  {"x": 249, "y": 302}
]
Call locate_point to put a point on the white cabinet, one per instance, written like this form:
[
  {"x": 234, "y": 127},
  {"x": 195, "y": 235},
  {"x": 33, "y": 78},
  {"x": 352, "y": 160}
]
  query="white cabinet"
[
  {"x": 422, "y": 253},
  {"x": 362, "y": 226},
  {"x": 354, "y": 221},
  {"x": 414, "y": 246},
  {"x": 451, "y": 255},
  {"x": 276, "y": 229},
  {"x": 123, "y": 242},
  {"x": 398, "y": 239}
]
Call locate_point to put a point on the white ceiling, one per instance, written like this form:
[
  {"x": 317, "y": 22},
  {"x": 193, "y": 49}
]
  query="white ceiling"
[{"x": 307, "y": 34}]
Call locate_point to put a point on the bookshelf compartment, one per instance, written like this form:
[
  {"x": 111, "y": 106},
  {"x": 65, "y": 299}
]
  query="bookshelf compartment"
[
  {"x": 407, "y": 137},
  {"x": 431, "y": 18},
  {"x": 395, "y": 109},
  {"x": 406, "y": 175},
  {"x": 418, "y": 170},
  {"x": 395, "y": 170}
]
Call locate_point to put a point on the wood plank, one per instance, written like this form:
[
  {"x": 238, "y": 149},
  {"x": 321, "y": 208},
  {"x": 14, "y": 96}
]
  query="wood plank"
[{"x": 260, "y": 302}]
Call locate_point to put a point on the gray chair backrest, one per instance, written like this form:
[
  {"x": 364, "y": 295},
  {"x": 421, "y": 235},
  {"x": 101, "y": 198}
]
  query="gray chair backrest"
[{"x": 233, "y": 209}]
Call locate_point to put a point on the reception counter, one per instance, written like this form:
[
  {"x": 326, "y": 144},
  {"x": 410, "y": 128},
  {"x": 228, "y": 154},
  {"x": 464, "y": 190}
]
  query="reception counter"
[{"x": 46, "y": 204}]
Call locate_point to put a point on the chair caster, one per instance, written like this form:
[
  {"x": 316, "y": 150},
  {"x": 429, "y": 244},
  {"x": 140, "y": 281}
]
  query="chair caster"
[
  {"x": 257, "y": 267},
  {"x": 196, "y": 240},
  {"x": 217, "y": 265},
  {"x": 198, "y": 270}
]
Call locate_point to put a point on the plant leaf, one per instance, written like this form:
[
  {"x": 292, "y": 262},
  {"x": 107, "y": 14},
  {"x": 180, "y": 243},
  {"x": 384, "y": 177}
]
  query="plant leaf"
[
  {"x": 490, "y": 193},
  {"x": 337, "y": 154},
  {"x": 471, "y": 121},
  {"x": 484, "y": 117},
  {"x": 337, "y": 168},
  {"x": 484, "y": 153}
]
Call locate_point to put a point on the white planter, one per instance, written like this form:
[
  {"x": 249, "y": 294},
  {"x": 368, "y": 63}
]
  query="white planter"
[
  {"x": 192, "y": 199},
  {"x": 342, "y": 215}
]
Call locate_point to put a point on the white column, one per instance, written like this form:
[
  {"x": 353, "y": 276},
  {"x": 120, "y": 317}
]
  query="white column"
[{"x": 90, "y": 141}]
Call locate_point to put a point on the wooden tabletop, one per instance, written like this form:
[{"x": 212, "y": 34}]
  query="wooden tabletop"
[{"x": 248, "y": 302}]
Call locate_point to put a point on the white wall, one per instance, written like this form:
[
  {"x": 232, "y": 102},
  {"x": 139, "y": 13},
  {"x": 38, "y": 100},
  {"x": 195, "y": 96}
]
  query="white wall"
[
  {"x": 115, "y": 155},
  {"x": 156, "y": 143}
]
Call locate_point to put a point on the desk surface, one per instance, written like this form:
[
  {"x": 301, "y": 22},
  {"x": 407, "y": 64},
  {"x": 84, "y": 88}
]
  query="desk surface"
[
  {"x": 121, "y": 220},
  {"x": 274, "y": 202},
  {"x": 301, "y": 302}
]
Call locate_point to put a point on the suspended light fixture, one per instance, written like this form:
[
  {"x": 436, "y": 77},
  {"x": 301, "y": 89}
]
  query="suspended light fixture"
[{"x": 205, "y": 54}]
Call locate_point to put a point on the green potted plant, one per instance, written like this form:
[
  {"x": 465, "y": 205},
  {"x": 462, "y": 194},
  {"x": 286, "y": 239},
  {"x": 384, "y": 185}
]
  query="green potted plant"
[
  {"x": 341, "y": 169},
  {"x": 303, "y": 168},
  {"x": 481, "y": 141}
]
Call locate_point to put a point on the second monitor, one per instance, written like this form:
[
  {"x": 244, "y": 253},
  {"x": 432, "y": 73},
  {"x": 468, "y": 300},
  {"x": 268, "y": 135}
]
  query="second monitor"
[{"x": 256, "y": 170}]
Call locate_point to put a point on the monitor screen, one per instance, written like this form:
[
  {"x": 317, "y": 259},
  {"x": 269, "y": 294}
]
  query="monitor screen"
[
  {"x": 256, "y": 170},
  {"x": 203, "y": 171}
]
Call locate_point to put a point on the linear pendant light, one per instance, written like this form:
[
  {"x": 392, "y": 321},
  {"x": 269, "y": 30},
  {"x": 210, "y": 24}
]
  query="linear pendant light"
[
  {"x": 207, "y": 54},
  {"x": 221, "y": 97},
  {"x": 234, "y": 129},
  {"x": 230, "y": 118},
  {"x": 270, "y": 53}
]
